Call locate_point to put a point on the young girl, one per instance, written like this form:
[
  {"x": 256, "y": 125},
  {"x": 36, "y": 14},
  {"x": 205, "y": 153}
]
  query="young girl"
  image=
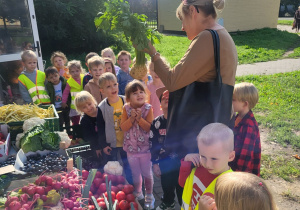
[
  {"x": 109, "y": 66},
  {"x": 109, "y": 53},
  {"x": 239, "y": 190},
  {"x": 135, "y": 123},
  {"x": 59, "y": 60},
  {"x": 86, "y": 104},
  {"x": 73, "y": 87},
  {"x": 152, "y": 87}
]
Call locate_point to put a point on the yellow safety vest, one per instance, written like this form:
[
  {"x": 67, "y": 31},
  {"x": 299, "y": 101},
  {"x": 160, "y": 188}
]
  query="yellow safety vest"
[
  {"x": 36, "y": 91},
  {"x": 75, "y": 88},
  {"x": 188, "y": 189}
]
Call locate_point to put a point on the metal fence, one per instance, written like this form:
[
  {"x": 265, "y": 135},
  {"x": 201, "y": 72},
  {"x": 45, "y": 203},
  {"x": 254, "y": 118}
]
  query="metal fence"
[{"x": 146, "y": 7}]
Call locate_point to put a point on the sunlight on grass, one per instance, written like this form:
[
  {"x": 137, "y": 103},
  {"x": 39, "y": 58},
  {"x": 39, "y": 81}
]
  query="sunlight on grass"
[{"x": 285, "y": 22}]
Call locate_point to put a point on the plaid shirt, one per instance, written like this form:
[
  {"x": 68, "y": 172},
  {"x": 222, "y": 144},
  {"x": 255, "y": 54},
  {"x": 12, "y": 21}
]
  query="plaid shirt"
[{"x": 247, "y": 145}]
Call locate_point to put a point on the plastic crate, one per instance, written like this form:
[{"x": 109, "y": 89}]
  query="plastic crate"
[
  {"x": 52, "y": 123},
  {"x": 89, "y": 158}
]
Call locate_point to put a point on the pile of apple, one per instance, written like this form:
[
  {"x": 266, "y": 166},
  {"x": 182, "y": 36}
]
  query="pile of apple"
[{"x": 120, "y": 191}]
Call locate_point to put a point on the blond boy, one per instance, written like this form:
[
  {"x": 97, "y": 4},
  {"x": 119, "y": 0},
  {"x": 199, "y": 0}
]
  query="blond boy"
[
  {"x": 215, "y": 144},
  {"x": 246, "y": 133},
  {"x": 87, "y": 77},
  {"x": 123, "y": 76},
  {"x": 110, "y": 134},
  {"x": 32, "y": 81},
  {"x": 96, "y": 66}
]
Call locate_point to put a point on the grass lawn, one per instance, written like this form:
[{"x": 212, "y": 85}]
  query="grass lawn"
[
  {"x": 285, "y": 22},
  {"x": 278, "y": 110},
  {"x": 252, "y": 46}
]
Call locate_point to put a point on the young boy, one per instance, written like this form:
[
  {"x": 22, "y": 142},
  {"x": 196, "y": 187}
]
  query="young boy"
[
  {"x": 246, "y": 133},
  {"x": 123, "y": 76},
  {"x": 32, "y": 81},
  {"x": 87, "y": 77},
  {"x": 215, "y": 144},
  {"x": 59, "y": 61},
  {"x": 110, "y": 134},
  {"x": 169, "y": 181},
  {"x": 96, "y": 66},
  {"x": 55, "y": 87}
]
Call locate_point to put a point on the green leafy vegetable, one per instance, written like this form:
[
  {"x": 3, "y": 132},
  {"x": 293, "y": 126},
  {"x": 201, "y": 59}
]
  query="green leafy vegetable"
[
  {"x": 28, "y": 143},
  {"x": 118, "y": 19},
  {"x": 50, "y": 140}
]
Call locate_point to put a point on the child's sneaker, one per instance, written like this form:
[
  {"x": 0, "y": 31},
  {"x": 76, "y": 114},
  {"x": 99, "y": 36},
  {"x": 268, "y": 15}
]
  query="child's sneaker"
[
  {"x": 149, "y": 201},
  {"x": 164, "y": 206},
  {"x": 139, "y": 196}
]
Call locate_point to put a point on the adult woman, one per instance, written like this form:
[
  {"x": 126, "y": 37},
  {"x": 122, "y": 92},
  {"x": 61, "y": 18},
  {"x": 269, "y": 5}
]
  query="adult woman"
[{"x": 297, "y": 19}]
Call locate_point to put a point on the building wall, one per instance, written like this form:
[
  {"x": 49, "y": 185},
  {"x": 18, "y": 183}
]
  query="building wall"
[{"x": 237, "y": 15}]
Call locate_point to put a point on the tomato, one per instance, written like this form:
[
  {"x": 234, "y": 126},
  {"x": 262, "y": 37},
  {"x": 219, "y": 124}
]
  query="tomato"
[
  {"x": 113, "y": 195},
  {"x": 121, "y": 196},
  {"x": 97, "y": 182},
  {"x": 120, "y": 186},
  {"x": 102, "y": 188},
  {"x": 124, "y": 205},
  {"x": 130, "y": 198},
  {"x": 128, "y": 189},
  {"x": 100, "y": 200},
  {"x": 98, "y": 174},
  {"x": 91, "y": 207},
  {"x": 115, "y": 189},
  {"x": 102, "y": 204}
]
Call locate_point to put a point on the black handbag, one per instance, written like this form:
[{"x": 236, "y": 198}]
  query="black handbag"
[{"x": 194, "y": 106}]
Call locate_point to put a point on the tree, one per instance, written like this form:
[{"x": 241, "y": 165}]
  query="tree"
[{"x": 69, "y": 26}]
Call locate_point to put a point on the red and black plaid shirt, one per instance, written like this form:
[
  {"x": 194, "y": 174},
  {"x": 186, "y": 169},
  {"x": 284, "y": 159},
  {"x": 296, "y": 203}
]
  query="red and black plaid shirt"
[{"x": 247, "y": 145}]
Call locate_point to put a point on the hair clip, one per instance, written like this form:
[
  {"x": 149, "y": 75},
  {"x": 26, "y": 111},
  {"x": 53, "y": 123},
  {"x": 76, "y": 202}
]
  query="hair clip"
[{"x": 261, "y": 184}]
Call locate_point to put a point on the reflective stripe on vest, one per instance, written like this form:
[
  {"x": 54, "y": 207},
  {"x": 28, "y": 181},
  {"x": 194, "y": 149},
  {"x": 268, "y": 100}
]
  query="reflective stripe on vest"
[
  {"x": 36, "y": 90},
  {"x": 188, "y": 189},
  {"x": 75, "y": 88}
]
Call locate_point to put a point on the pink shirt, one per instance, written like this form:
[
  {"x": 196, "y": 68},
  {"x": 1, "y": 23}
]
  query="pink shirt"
[
  {"x": 67, "y": 91},
  {"x": 154, "y": 100}
]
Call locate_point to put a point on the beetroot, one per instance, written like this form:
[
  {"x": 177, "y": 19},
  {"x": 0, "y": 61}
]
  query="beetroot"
[
  {"x": 71, "y": 187},
  {"x": 40, "y": 190},
  {"x": 49, "y": 180},
  {"x": 31, "y": 191},
  {"x": 44, "y": 197},
  {"x": 76, "y": 204},
  {"x": 25, "y": 206},
  {"x": 98, "y": 174},
  {"x": 47, "y": 189},
  {"x": 115, "y": 189},
  {"x": 38, "y": 181},
  {"x": 69, "y": 204},
  {"x": 56, "y": 185},
  {"x": 97, "y": 182},
  {"x": 121, "y": 179},
  {"x": 36, "y": 196},
  {"x": 24, "y": 189},
  {"x": 65, "y": 185},
  {"x": 24, "y": 198},
  {"x": 120, "y": 186},
  {"x": 15, "y": 205}
]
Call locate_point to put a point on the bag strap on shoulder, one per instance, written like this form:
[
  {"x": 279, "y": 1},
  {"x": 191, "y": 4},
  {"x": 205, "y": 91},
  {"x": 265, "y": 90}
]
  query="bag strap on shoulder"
[{"x": 216, "y": 42}]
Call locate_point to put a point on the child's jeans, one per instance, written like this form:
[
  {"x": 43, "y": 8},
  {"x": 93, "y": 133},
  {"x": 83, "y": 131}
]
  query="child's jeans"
[
  {"x": 141, "y": 165},
  {"x": 64, "y": 118}
]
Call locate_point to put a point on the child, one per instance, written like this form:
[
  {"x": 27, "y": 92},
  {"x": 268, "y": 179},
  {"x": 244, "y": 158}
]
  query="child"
[
  {"x": 109, "y": 66},
  {"x": 152, "y": 86},
  {"x": 215, "y": 144},
  {"x": 85, "y": 103},
  {"x": 97, "y": 68},
  {"x": 169, "y": 181},
  {"x": 59, "y": 60},
  {"x": 109, "y": 53},
  {"x": 123, "y": 75},
  {"x": 135, "y": 123},
  {"x": 32, "y": 81},
  {"x": 73, "y": 87},
  {"x": 55, "y": 87},
  {"x": 240, "y": 190},
  {"x": 110, "y": 134},
  {"x": 87, "y": 77},
  {"x": 246, "y": 133}
]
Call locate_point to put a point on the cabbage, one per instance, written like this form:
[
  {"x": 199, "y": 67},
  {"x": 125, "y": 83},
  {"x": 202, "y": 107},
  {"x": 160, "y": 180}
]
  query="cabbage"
[{"x": 50, "y": 140}]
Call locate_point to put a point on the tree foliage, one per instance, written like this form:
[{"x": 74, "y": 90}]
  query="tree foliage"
[{"x": 69, "y": 26}]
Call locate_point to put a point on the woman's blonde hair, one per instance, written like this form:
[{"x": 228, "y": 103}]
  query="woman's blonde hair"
[
  {"x": 81, "y": 98},
  {"x": 246, "y": 91},
  {"x": 133, "y": 86},
  {"x": 242, "y": 190},
  {"x": 75, "y": 64},
  {"x": 109, "y": 50},
  {"x": 208, "y": 7},
  {"x": 58, "y": 54}
]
